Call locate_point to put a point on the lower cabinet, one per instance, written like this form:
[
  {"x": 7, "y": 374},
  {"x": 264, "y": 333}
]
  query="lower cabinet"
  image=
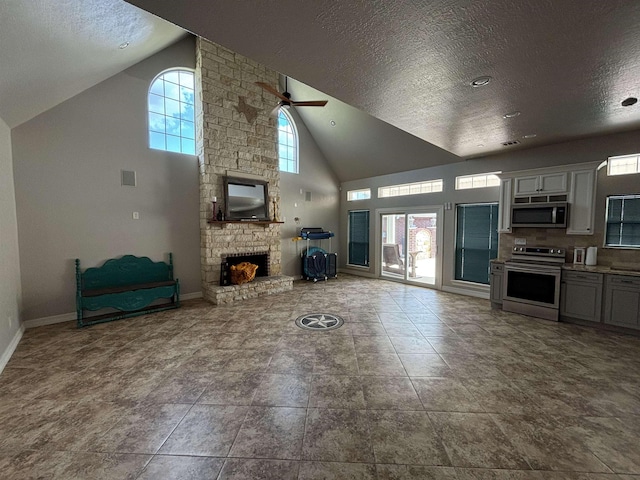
[
  {"x": 622, "y": 301},
  {"x": 497, "y": 270},
  {"x": 581, "y": 295}
]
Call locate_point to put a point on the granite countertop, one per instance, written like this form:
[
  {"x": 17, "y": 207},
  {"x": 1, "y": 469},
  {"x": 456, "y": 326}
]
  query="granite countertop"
[{"x": 613, "y": 270}]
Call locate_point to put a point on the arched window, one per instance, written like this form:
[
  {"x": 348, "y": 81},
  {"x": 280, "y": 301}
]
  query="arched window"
[
  {"x": 172, "y": 112},
  {"x": 287, "y": 142}
]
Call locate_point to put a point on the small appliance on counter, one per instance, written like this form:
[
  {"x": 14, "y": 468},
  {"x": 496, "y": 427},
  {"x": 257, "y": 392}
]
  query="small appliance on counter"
[{"x": 591, "y": 258}]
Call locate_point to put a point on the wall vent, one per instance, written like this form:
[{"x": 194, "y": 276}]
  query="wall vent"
[
  {"x": 128, "y": 178},
  {"x": 510, "y": 142}
]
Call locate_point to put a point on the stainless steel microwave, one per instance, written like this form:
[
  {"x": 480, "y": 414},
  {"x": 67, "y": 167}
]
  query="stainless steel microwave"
[{"x": 540, "y": 215}]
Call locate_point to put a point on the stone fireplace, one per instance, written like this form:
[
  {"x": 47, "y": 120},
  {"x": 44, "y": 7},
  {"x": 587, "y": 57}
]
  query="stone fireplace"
[{"x": 236, "y": 137}]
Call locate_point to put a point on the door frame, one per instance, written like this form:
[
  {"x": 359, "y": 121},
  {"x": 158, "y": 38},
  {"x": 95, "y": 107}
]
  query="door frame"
[{"x": 377, "y": 232}]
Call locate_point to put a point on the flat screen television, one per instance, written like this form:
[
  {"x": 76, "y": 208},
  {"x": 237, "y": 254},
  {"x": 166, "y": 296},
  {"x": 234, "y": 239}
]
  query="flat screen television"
[{"x": 246, "y": 199}]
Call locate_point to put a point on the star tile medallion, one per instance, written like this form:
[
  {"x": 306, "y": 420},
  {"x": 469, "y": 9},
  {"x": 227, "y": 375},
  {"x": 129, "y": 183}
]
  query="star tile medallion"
[{"x": 319, "y": 321}]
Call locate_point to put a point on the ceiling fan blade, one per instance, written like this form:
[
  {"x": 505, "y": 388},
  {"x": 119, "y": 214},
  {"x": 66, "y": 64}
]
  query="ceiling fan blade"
[
  {"x": 276, "y": 109},
  {"x": 272, "y": 90},
  {"x": 316, "y": 103}
]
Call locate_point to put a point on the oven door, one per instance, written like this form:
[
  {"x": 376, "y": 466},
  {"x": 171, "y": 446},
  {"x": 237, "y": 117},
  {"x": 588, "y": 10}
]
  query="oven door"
[{"x": 532, "y": 284}]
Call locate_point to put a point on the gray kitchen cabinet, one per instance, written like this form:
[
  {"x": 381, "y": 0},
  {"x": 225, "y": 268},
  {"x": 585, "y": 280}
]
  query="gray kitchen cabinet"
[
  {"x": 545, "y": 183},
  {"x": 582, "y": 202},
  {"x": 497, "y": 271},
  {"x": 622, "y": 301},
  {"x": 506, "y": 195},
  {"x": 581, "y": 295}
]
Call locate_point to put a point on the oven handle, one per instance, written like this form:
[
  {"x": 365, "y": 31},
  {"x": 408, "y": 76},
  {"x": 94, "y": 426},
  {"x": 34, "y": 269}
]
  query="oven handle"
[{"x": 535, "y": 269}]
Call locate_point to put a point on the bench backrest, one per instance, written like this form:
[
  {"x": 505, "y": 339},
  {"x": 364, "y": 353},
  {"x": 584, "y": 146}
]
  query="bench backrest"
[{"x": 126, "y": 270}]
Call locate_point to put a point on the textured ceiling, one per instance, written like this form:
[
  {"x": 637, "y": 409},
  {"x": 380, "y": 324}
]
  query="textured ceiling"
[
  {"x": 358, "y": 145},
  {"x": 53, "y": 50},
  {"x": 564, "y": 64}
]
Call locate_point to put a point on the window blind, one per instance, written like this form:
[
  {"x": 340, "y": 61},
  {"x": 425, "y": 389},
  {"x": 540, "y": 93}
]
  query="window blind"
[
  {"x": 476, "y": 241},
  {"x": 358, "y": 238}
]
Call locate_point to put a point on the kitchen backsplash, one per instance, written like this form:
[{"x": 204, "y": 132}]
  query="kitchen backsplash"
[{"x": 550, "y": 237}]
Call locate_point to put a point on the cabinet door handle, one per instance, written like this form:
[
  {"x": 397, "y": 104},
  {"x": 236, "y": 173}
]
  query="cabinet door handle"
[{"x": 626, "y": 281}]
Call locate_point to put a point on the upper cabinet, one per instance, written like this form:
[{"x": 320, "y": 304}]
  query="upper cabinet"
[
  {"x": 540, "y": 184},
  {"x": 582, "y": 201},
  {"x": 574, "y": 184},
  {"x": 504, "y": 207}
]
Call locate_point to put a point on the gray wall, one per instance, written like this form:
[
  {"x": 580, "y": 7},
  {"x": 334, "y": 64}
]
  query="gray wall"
[
  {"x": 586, "y": 150},
  {"x": 9, "y": 266},
  {"x": 321, "y": 211},
  {"x": 70, "y": 203}
]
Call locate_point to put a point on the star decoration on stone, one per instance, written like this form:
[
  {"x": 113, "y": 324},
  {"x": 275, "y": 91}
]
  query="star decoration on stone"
[{"x": 249, "y": 112}]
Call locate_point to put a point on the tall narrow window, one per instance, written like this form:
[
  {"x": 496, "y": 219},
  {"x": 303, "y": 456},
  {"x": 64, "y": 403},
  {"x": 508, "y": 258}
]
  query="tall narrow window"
[
  {"x": 358, "y": 238},
  {"x": 476, "y": 241},
  {"x": 172, "y": 112},
  {"x": 623, "y": 221},
  {"x": 287, "y": 142}
]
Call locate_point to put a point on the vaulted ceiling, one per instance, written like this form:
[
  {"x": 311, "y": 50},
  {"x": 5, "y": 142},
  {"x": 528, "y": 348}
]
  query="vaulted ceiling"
[
  {"x": 561, "y": 67},
  {"x": 52, "y": 50}
]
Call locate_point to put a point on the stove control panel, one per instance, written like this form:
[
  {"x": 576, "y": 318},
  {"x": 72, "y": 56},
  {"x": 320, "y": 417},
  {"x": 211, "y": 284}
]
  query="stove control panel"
[{"x": 540, "y": 251}]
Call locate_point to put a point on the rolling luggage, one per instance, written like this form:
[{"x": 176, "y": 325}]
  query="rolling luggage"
[
  {"x": 314, "y": 264},
  {"x": 317, "y": 264},
  {"x": 331, "y": 264}
]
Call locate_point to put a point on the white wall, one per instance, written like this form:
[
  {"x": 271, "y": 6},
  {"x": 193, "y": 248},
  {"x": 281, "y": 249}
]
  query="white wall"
[
  {"x": 70, "y": 203},
  {"x": 321, "y": 211},
  {"x": 586, "y": 150},
  {"x": 9, "y": 266}
]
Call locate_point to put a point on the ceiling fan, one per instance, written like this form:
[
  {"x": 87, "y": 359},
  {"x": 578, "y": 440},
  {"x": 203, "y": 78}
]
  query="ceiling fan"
[{"x": 285, "y": 98}]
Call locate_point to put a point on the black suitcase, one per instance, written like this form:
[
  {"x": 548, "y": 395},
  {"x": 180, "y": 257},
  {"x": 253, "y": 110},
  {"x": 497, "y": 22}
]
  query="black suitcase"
[
  {"x": 331, "y": 265},
  {"x": 314, "y": 262}
]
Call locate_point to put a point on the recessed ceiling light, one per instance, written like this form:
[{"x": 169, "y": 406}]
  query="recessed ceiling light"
[
  {"x": 123, "y": 45},
  {"x": 511, "y": 114},
  {"x": 333, "y": 123},
  {"x": 480, "y": 81},
  {"x": 531, "y": 135},
  {"x": 627, "y": 102}
]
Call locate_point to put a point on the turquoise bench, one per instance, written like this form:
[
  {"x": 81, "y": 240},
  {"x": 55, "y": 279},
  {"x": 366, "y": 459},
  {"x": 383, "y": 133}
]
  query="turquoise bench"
[{"x": 128, "y": 284}]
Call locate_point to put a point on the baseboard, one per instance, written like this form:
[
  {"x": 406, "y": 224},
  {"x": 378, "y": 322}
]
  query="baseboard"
[
  {"x": 357, "y": 272},
  {"x": 191, "y": 296},
  {"x": 68, "y": 317},
  {"x": 6, "y": 355},
  {"x": 464, "y": 291},
  {"x": 41, "y": 322}
]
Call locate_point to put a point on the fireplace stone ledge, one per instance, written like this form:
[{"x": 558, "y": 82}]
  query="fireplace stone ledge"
[{"x": 259, "y": 286}]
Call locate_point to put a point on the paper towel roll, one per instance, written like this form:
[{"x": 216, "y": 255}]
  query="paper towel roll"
[{"x": 592, "y": 256}]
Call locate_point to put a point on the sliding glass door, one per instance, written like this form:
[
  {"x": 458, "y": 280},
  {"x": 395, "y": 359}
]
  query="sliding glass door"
[{"x": 409, "y": 246}]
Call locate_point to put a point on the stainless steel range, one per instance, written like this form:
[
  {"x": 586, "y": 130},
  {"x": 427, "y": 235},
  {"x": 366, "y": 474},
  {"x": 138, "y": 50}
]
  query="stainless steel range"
[{"x": 532, "y": 281}]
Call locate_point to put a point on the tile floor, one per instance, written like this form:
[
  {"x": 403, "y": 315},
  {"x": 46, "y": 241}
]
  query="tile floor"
[{"x": 417, "y": 384}]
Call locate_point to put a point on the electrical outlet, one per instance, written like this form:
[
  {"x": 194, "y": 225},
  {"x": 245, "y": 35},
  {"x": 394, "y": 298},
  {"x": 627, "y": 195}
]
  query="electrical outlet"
[
  {"x": 136, "y": 215},
  {"x": 521, "y": 241},
  {"x": 10, "y": 321}
]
